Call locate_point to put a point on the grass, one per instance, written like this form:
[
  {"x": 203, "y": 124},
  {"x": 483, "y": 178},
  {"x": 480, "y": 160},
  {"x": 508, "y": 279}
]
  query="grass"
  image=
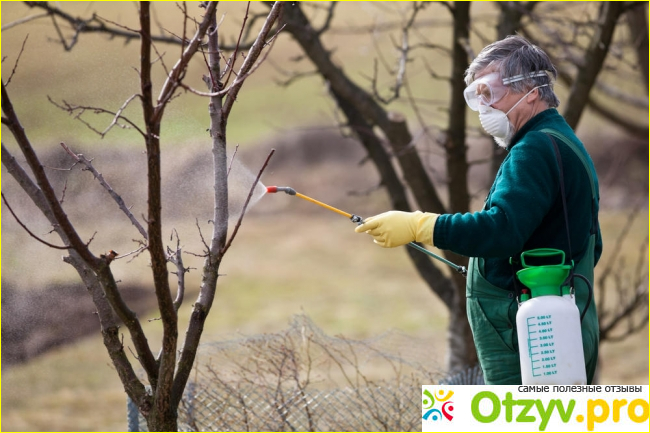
[{"x": 69, "y": 389}]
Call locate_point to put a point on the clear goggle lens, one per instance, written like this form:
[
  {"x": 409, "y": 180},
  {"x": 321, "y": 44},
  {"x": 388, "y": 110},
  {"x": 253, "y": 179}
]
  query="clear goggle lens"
[{"x": 485, "y": 91}]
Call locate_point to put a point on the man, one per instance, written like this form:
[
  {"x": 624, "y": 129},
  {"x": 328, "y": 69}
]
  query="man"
[{"x": 510, "y": 84}]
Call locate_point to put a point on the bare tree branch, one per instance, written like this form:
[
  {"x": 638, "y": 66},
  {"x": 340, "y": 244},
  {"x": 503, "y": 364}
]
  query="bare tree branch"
[
  {"x": 94, "y": 24},
  {"x": 230, "y": 64},
  {"x": 20, "y": 53},
  {"x": 159, "y": 407},
  {"x": 594, "y": 57},
  {"x": 174, "y": 77},
  {"x": 98, "y": 264},
  {"x": 251, "y": 57},
  {"x": 637, "y": 16},
  {"x": 80, "y": 158},
  {"x": 248, "y": 199},
  {"x": 615, "y": 115},
  {"x": 32, "y": 160},
  {"x": 56, "y": 247},
  {"x": 117, "y": 115},
  {"x": 107, "y": 319},
  {"x": 23, "y": 20}
]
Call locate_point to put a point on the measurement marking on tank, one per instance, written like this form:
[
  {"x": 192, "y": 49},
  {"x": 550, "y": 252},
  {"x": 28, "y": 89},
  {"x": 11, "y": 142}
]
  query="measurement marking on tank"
[{"x": 540, "y": 351}]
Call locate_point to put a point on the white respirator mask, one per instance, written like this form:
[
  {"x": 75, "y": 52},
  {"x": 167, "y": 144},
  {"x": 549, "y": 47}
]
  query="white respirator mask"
[{"x": 495, "y": 122}]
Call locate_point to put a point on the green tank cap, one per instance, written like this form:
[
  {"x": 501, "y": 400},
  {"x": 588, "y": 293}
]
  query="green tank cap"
[{"x": 544, "y": 280}]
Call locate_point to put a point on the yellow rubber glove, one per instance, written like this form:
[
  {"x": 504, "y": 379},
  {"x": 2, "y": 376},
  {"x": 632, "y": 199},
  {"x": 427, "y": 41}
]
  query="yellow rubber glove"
[{"x": 395, "y": 228}]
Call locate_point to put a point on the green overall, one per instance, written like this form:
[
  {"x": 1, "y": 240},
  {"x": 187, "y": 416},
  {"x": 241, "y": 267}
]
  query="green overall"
[
  {"x": 492, "y": 315},
  {"x": 492, "y": 312}
]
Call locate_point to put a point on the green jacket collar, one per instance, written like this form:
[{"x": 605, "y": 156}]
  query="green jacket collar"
[{"x": 539, "y": 121}]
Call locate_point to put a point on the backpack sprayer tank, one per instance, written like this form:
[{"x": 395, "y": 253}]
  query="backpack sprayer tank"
[{"x": 548, "y": 324}]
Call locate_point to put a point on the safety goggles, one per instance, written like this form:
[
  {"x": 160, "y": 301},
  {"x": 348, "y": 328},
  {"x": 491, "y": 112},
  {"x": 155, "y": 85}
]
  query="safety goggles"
[{"x": 490, "y": 88}]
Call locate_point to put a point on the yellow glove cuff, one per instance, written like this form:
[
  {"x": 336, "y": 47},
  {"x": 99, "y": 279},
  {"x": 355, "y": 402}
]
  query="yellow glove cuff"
[{"x": 426, "y": 224}]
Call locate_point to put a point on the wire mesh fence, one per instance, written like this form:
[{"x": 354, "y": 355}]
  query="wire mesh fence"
[
  {"x": 304, "y": 380},
  {"x": 370, "y": 409}
]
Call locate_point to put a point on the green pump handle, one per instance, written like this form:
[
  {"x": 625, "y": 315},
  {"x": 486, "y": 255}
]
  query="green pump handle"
[{"x": 542, "y": 252}]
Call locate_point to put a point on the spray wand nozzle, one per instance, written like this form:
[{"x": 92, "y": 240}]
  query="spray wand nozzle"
[
  {"x": 358, "y": 220},
  {"x": 274, "y": 189}
]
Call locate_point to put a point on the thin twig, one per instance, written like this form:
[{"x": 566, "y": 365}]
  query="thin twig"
[
  {"x": 608, "y": 267},
  {"x": 73, "y": 40},
  {"x": 118, "y": 199},
  {"x": 232, "y": 160},
  {"x": 13, "y": 71},
  {"x": 235, "y": 85},
  {"x": 248, "y": 199},
  {"x": 176, "y": 74},
  {"x": 205, "y": 244},
  {"x": 98, "y": 110},
  {"x": 134, "y": 253},
  {"x": 231, "y": 67},
  {"x": 57, "y": 247},
  {"x": 118, "y": 115},
  {"x": 249, "y": 65},
  {"x": 24, "y": 20}
]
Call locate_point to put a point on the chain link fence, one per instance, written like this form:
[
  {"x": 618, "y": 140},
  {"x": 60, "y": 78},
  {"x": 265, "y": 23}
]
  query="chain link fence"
[{"x": 304, "y": 380}]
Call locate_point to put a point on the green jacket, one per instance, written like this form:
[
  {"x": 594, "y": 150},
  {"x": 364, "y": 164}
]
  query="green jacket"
[{"x": 523, "y": 209}]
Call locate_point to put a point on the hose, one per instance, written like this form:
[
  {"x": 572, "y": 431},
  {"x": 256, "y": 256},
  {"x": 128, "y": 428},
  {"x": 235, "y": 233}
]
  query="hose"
[{"x": 590, "y": 294}]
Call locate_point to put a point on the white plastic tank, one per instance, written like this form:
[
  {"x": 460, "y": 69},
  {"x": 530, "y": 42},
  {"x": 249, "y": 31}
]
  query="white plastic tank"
[
  {"x": 550, "y": 342},
  {"x": 548, "y": 328}
]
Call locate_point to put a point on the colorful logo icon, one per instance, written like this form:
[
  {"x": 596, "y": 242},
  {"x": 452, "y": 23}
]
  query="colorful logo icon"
[{"x": 429, "y": 401}]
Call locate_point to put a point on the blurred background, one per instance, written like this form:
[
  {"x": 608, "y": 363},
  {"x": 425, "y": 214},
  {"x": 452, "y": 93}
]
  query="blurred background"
[{"x": 289, "y": 258}]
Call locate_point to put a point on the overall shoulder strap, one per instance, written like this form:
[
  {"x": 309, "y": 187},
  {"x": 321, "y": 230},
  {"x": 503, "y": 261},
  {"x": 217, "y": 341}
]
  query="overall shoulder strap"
[
  {"x": 586, "y": 268},
  {"x": 581, "y": 156},
  {"x": 563, "y": 193},
  {"x": 578, "y": 153}
]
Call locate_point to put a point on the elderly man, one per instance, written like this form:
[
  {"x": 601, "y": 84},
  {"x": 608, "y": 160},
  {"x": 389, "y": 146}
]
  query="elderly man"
[{"x": 510, "y": 84}]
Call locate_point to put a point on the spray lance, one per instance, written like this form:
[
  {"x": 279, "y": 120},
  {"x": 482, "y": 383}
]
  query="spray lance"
[{"x": 358, "y": 220}]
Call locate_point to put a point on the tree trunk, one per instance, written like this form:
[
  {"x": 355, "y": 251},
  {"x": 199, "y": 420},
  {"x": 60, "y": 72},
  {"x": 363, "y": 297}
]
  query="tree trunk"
[
  {"x": 163, "y": 419},
  {"x": 637, "y": 20},
  {"x": 462, "y": 353},
  {"x": 594, "y": 58},
  {"x": 438, "y": 283}
]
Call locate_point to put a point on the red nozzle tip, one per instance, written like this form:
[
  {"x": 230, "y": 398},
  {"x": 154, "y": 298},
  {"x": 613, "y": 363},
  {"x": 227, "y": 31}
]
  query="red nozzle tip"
[{"x": 271, "y": 189}]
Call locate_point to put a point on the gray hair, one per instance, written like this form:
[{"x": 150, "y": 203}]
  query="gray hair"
[{"x": 514, "y": 56}]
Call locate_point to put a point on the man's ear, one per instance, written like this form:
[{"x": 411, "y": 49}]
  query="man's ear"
[{"x": 532, "y": 96}]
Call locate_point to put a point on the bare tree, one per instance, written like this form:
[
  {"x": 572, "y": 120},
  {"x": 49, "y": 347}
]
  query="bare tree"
[{"x": 167, "y": 372}]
